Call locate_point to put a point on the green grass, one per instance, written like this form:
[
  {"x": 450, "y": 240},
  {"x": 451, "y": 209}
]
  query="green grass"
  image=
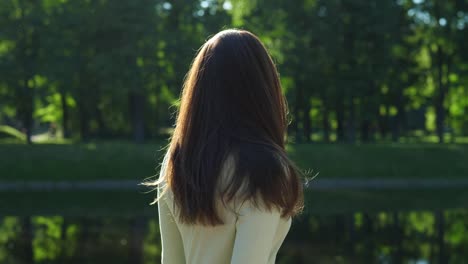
[
  {"x": 383, "y": 160},
  {"x": 128, "y": 161},
  {"x": 60, "y": 162}
]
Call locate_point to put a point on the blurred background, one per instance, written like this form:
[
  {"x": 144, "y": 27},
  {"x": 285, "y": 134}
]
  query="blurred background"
[{"x": 378, "y": 98}]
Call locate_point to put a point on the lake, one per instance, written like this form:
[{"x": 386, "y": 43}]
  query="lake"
[{"x": 371, "y": 228}]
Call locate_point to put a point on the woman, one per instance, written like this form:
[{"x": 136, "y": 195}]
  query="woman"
[{"x": 227, "y": 190}]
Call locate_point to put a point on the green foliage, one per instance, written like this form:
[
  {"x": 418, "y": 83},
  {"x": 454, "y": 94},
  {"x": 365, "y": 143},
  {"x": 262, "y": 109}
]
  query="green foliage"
[
  {"x": 354, "y": 70},
  {"x": 11, "y": 131},
  {"x": 47, "y": 241}
]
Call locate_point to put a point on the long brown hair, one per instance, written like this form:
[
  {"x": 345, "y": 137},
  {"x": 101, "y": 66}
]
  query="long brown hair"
[{"x": 231, "y": 104}]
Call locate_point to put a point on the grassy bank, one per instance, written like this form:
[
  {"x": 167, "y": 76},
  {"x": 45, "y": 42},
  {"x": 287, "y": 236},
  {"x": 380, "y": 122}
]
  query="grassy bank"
[
  {"x": 375, "y": 161},
  {"x": 122, "y": 160}
]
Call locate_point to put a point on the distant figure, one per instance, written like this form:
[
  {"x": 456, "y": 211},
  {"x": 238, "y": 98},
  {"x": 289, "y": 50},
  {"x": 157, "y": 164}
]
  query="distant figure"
[
  {"x": 52, "y": 130},
  {"x": 227, "y": 191}
]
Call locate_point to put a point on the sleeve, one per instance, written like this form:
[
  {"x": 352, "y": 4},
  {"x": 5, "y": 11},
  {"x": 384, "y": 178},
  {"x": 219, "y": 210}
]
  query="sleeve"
[
  {"x": 171, "y": 241},
  {"x": 255, "y": 230}
]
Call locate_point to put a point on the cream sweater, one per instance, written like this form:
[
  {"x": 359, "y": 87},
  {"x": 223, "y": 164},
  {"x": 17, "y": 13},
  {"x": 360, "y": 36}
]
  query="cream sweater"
[{"x": 248, "y": 236}]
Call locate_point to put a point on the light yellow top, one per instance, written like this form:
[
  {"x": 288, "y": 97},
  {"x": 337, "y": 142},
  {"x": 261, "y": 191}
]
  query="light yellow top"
[{"x": 248, "y": 236}]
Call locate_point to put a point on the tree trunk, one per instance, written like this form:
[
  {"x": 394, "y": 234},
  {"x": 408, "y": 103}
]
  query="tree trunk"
[
  {"x": 365, "y": 127},
  {"x": 440, "y": 98},
  {"x": 326, "y": 125},
  {"x": 340, "y": 135},
  {"x": 384, "y": 122},
  {"x": 157, "y": 120},
  {"x": 83, "y": 239},
  {"x": 440, "y": 227},
  {"x": 26, "y": 97},
  {"x": 136, "y": 104},
  {"x": 28, "y": 111},
  {"x": 136, "y": 239},
  {"x": 27, "y": 238},
  {"x": 350, "y": 247},
  {"x": 63, "y": 100},
  {"x": 399, "y": 120},
  {"x": 351, "y": 127},
  {"x": 398, "y": 245},
  {"x": 369, "y": 243},
  {"x": 102, "y": 128},
  {"x": 83, "y": 117},
  {"x": 63, "y": 238},
  {"x": 297, "y": 110},
  {"x": 447, "y": 89},
  {"x": 306, "y": 121},
  {"x": 339, "y": 230}
]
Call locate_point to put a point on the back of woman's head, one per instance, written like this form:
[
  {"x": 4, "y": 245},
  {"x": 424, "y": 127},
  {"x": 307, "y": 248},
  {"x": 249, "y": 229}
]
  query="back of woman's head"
[{"x": 231, "y": 106}]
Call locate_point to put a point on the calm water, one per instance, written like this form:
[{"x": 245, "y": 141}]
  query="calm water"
[{"x": 384, "y": 237}]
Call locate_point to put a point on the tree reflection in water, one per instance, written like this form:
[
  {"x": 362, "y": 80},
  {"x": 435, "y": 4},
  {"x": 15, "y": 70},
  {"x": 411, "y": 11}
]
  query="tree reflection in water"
[{"x": 385, "y": 237}]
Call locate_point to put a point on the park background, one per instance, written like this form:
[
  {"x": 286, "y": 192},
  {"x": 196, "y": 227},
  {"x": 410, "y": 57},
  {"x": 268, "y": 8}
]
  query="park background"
[{"x": 378, "y": 99}]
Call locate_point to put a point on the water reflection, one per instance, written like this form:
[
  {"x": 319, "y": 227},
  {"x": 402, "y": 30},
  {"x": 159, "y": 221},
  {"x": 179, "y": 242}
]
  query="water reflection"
[{"x": 386, "y": 237}]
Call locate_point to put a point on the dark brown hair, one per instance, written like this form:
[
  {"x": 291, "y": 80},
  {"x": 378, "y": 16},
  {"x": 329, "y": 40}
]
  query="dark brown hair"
[{"x": 231, "y": 104}]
